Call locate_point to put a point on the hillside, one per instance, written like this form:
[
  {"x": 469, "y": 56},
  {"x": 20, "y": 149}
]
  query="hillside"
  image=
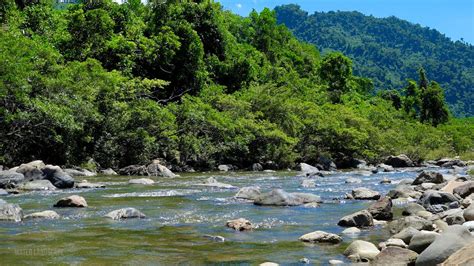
[{"x": 390, "y": 50}]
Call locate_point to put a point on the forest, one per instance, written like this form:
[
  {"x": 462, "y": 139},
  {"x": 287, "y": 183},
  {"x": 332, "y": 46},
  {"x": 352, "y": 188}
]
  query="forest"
[
  {"x": 390, "y": 50},
  {"x": 198, "y": 86}
]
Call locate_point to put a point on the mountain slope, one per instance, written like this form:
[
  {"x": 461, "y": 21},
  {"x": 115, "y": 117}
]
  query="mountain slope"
[{"x": 390, "y": 50}]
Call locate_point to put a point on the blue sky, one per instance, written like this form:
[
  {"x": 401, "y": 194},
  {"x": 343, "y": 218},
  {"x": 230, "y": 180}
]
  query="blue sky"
[{"x": 454, "y": 18}]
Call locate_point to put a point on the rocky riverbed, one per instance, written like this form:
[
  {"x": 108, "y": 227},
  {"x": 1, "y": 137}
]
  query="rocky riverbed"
[{"x": 288, "y": 217}]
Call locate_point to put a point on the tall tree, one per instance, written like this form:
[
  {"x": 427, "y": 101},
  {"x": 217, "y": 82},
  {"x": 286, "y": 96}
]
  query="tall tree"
[
  {"x": 411, "y": 102},
  {"x": 336, "y": 71},
  {"x": 433, "y": 106},
  {"x": 423, "y": 82}
]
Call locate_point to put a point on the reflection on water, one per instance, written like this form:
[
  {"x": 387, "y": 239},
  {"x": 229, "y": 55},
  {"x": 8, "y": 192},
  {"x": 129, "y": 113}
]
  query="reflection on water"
[{"x": 180, "y": 214}]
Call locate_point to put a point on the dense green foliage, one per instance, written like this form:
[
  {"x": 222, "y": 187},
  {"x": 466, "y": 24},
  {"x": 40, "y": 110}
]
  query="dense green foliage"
[
  {"x": 197, "y": 86},
  {"x": 390, "y": 50}
]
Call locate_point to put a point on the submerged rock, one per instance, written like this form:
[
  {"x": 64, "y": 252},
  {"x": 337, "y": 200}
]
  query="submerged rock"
[
  {"x": 141, "y": 181},
  {"x": 37, "y": 185},
  {"x": 353, "y": 180},
  {"x": 125, "y": 213},
  {"x": 308, "y": 183},
  {"x": 10, "y": 212},
  {"x": 71, "y": 201},
  {"x": 215, "y": 238},
  {"x": 86, "y": 184},
  {"x": 321, "y": 236},
  {"x": 360, "y": 250},
  {"x": 212, "y": 182},
  {"x": 43, "y": 215},
  {"x": 451, "y": 240},
  {"x": 248, "y": 193},
  {"x": 240, "y": 224},
  {"x": 357, "y": 219}
]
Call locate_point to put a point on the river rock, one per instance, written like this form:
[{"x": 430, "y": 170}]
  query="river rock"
[
  {"x": 393, "y": 242},
  {"x": 108, "y": 171},
  {"x": 360, "y": 250},
  {"x": 9, "y": 179},
  {"x": 453, "y": 216},
  {"x": 462, "y": 257},
  {"x": 381, "y": 209},
  {"x": 469, "y": 213},
  {"x": 393, "y": 255},
  {"x": 215, "y": 238},
  {"x": 86, "y": 184},
  {"x": 465, "y": 190},
  {"x": 240, "y": 224},
  {"x": 134, "y": 170},
  {"x": 353, "y": 180},
  {"x": 248, "y": 193},
  {"x": 427, "y": 186},
  {"x": 125, "y": 213},
  {"x": 308, "y": 183},
  {"x": 448, "y": 162},
  {"x": 358, "y": 219},
  {"x": 10, "y": 212},
  {"x": 436, "y": 201},
  {"x": 365, "y": 194},
  {"x": 424, "y": 214},
  {"x": 469, "y": 225},
  {"x": 306, "y": 168},
  {"x": 223, "y": 168},
  {"x": 403, "y": 191},
  {"x": 385, "y": 168},
  {"x": 279, "y": 197},
  {"x": 3, "y": 192},
  {"x": 37, "y": 185},
  {"x": 257, "y": 167},
  {"x": 451, "y": 185},
  {"x": 410, "y": 221},
  {"x": 385, "y": 180},
  {"x": 157, "y": 169},
  {"x": 412, "y": 209},
  {"x": 32, "y": 170},
  {"x": 321, "y": 236},
  {"x": 406, "y": 234},
  {"x": 71, "y": 201},
  {"x": 269, "y": 263},
  {"x": 429, "y": 177},
  {"x": 42, "y": 215},
  {"x": 335, "y": 262},
  {"x": 141, "y": 181},
  {"x": 58, "y": 177},
  {"x": 451, "y": 240},
  {"x": 351, "y": 231},
  {"x": 212, "y": 182},
  {"x": 79, "y": 172},
  {"x": 399, "y": 161},
  {"x": 421, "y": 240}
]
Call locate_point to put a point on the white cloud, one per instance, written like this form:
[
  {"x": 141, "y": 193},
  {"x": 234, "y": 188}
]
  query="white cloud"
[{"x": 239, "y": 5}]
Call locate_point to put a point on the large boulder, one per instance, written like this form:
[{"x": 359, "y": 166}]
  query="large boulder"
[
  {"x": 451, "y": 185},
  {"x": 436, "y": 201},
  {"x": 410, "y": 221},
  {"x": 108, "y": 171},
  {"x": 462, "y": 257},
  {"x": 240, "y": 224},
  {"x": 279, "y": 197},
  {"x": 157, "y": 169},
  {"x": 382, "y": 209},
  {"x": 358, "y": 219},
  {"x": 248, "y": 193},
  {"x": 10, "y": 179},
  {"x": 257, "y": 167},
  {"x": 421, "y": 240},
  {"x": 406, "y": 234},
  {"x": 448, "y": 162},
  {"x": 399, "y": 161},
  {"x": 125, "y": 213},
  {"x": 58, "y": 177},
  {"x": 363, "y": 193},
  {"x": 37, "y": 185},
  {"x": 360, "y": 250},
  {"x": 451, "y": 240},
  {"x": 465, "y": 190},
  {"x": 42, "y": 215},
  {"x": 10, "y": 212},
  {"x": 322, "y": 237},
  {"x": 395, "y": 256},
  {"x": 429, "y": 177},
  {"x": 32, "y": 170},
  {"x": 71, "y": 201}
]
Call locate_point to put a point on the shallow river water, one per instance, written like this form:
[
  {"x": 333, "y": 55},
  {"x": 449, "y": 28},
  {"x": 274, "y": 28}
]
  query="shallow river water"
[{"x": 179, "y": 215}]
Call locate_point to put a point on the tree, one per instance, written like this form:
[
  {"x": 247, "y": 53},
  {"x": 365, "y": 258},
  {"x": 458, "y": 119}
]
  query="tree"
[
  {"x": 423, "y": 82},
  {"x": 336, "y": 71},
  {"x": 411, "y": 101},
  {"x": 433, "y": 106}
]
